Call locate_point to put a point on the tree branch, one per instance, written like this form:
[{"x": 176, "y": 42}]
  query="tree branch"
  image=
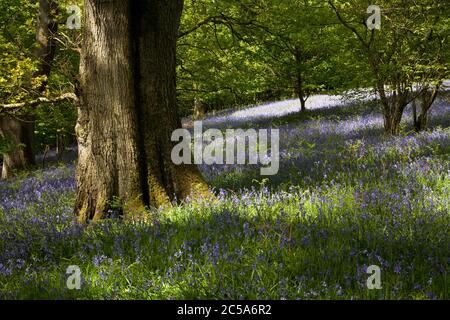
[
  {"x": 347, "y": 25},
  {"x": 38, "y": 101}
]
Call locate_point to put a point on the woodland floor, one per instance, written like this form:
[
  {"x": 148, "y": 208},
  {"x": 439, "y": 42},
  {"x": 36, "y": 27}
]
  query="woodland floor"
[{"x": 346, "y": 197}]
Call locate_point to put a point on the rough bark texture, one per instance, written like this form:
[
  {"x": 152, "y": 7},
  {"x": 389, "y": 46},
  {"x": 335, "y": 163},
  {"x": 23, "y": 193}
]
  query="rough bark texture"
[
  {"x": 393, "y": 107},
  {"x": 47, "y": 27},
  {"x": 128, "y": 109},
  {"x": 16, "y": 157}
]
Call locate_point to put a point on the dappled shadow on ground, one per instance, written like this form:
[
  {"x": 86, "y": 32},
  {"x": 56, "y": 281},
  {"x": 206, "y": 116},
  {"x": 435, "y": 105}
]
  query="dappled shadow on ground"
[
  {"x": 252, "y": 248},
  {"x": 321, "y": 145},
  {"x": 352, "y": 198}
]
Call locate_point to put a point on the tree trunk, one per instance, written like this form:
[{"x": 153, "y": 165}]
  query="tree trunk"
[
  {"x": 47, "y": 27},
  {"x": 422, "y": 122},
  {"x": 128, "y": 110},
  {"x": 19, "y": 133},
  {"x": 300, "y": 93},
  {"x": 415, "y": 115},
  {"x": 394, "y": 115},
  {"x": 299, "y": 87},
  {"x": 14, "y": 159},
  {"x": 426, "y": 101},
  {"x": 199, "y": 110},
  {"x": 393, "y": 108},
  {"x": 392, "y": 122}
]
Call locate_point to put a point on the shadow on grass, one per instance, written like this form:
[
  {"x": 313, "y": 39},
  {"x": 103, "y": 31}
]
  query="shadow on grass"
[
  {"x": 236, "y": 252},
  {"x": 316, "y": 151}
]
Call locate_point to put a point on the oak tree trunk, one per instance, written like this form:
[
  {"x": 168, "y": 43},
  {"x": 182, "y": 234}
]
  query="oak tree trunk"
[{"x": 128, "y": 110}]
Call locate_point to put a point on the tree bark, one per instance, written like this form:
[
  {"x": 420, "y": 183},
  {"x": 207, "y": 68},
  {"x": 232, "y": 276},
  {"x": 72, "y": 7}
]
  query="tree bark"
[
  {"x": 393, "y": 107},
  {"x": 14, "y": 159},
  {"x": 426, "y": 101},
  {"x": 199, "y": 109},
  {"x": 47, "y": 27},
  {"x": 299, "y": 86},
  {"x": 300, "y": 93},
  {"x": 393, "y": 117},
  {"x": 128, "y": 110}
]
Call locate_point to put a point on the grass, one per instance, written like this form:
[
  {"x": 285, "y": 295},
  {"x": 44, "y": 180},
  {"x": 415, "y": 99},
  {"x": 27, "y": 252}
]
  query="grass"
[{"x": 342, "y": 202}]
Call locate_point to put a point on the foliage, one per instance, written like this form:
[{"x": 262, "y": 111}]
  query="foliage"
[
  {"x": 240, "y": 53},
  {"x": 406, "y": 56},
  {"x": 18, "y": 64}
]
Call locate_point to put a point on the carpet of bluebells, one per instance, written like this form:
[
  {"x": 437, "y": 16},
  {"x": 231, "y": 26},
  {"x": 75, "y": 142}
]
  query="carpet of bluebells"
[{"x": 346, "y": 197}]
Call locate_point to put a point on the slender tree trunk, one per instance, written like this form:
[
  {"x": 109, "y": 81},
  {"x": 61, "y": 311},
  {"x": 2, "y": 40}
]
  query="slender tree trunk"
[
  {"x": 426, "y": 101},
  {"x": 422, "y": 122},
  {"x": 199, "y": 110},
  {"x": 415, "y": 115},
  {"x": 393, "y": 117},
  {"x": 393, "y": 108},
  {"x": 300, "y": 91},
  {"x": 47, "y": 27},
  {"x": 299, "y": 86},
  {"x": 300, "y": 94},
  {"x": 128, "y": 109},
  {"x": 392, "y": 122}
]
